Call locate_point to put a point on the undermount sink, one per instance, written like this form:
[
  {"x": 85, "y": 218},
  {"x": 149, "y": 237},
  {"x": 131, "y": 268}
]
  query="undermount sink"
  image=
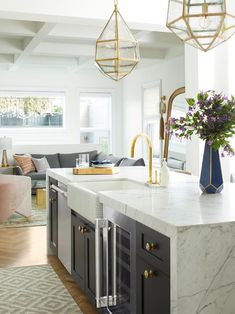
[{"x": 83, "y": 197}]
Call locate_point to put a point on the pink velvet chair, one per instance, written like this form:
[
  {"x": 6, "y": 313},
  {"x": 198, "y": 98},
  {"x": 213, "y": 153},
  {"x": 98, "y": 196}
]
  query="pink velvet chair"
[{"x": 15, "y": 196}]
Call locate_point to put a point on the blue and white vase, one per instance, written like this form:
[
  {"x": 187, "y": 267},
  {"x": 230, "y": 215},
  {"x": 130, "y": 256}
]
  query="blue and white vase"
[{"x": 211, "y": 180}]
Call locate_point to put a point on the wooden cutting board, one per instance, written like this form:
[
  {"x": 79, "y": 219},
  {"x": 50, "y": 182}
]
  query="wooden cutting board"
[{"x": 91, "y": 170}]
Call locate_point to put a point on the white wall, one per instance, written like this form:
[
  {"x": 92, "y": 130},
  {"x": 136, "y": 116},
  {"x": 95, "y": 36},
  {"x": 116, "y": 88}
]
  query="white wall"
[
  {"x": 171, "y": 74},
  {"x": 212, "y": 70},
  {"x": 71, "y": 83}
]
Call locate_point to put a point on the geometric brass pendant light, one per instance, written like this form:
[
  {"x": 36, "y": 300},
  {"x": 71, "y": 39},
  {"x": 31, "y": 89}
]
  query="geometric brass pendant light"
[
  {"x": 203, "y": 24},
  {"x": 117, "y": 50}
]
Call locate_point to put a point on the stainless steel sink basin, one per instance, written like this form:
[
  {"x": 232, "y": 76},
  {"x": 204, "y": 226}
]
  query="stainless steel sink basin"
[{"x": 83, "y": 197}]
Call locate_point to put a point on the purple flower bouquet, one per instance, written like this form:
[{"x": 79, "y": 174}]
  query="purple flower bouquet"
[{"x": 212, "y": 117}]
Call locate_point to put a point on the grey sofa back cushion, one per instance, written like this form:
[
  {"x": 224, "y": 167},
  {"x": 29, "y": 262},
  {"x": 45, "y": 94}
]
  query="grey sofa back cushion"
[
  {"x": 127, "y": 162},
  {"x": 53, "y": 159},
  {"x": 69, "y": 160},
  {"x": 114, "y": 160}
]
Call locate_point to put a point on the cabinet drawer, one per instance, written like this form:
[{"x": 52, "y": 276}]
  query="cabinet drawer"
[{"x": 153, "y": 246}]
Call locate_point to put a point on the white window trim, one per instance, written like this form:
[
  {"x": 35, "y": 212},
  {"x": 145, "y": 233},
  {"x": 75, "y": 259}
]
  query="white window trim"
[
  {"x": 39, "y": 90},
  {"x": 145, "y": 86},
  {"x": 98, "y": 91}
]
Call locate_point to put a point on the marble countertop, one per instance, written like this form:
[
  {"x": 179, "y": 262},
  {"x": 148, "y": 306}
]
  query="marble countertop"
[{"x": 180, "y": 205}]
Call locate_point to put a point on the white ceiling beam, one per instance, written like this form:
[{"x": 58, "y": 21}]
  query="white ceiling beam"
[
  {"x": 10, "y": 45},
  {"x": 30, "y": 45},
  {"x": 75, "y": 31},
  {"x": 77, "y": 50},
  {"x": 54, "y": 61},
  {"x": 6, "y": 59},
  {"x": 65, "y": 49},
  {"x": 17, "y": 28}
]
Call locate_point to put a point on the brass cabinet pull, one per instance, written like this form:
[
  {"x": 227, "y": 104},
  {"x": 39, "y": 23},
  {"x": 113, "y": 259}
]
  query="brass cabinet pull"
[
  {"x": 82, "y": 229},
  {"x": 150, "y": 246},
  {"x": 149, "y": 274}
]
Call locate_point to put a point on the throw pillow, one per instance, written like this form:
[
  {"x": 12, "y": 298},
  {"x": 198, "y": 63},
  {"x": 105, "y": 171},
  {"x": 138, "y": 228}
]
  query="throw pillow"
[
  {"x": 41, "y": 164},
  {"x": 128, "y": 162},
  {"x": 25, "y": 162}
]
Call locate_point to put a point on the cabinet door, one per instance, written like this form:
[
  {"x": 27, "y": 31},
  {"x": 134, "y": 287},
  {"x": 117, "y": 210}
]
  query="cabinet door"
[
  {"x": 78, "y": 253},
  {"x": 153, "y": 295},
  {"x": 90, "y": 262},
  {"x": 53, "y": 219}
]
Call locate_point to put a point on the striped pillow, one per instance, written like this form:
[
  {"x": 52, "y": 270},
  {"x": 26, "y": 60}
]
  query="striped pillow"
[{"x": 25, "y": 162}]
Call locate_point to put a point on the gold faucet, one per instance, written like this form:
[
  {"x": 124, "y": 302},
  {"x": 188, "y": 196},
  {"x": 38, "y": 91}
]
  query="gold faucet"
[{"x": 150, "y": 153}]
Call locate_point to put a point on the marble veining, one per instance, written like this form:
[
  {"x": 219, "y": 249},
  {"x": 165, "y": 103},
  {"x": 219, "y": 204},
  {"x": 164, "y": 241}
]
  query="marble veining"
[{"x": 201, "y": 230}]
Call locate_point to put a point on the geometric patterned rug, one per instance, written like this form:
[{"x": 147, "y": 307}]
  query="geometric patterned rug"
[
  {"x": 34, "y": 290},
  {"x": 38, "y": 218}
]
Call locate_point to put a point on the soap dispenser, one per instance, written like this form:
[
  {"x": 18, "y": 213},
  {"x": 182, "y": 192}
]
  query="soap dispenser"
[{"x": 164, "y": 174}]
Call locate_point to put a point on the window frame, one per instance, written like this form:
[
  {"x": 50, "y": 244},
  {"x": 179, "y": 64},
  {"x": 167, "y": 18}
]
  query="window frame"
[
  {"x": 152, "y": 84},
  {"x": 111, "y": 93},
  {"x": 39, "y": 91}
]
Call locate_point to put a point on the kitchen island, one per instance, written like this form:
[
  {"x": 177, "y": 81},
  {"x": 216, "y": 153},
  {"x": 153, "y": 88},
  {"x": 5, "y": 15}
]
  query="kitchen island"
[{"x": 200, "y": 229}]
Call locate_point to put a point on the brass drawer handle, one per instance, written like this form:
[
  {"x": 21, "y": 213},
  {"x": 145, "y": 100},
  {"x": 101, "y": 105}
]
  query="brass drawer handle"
[
  {"x": 150, "y": 246},
  {"x": 82, "y": 229},
  {"x": 149, "y": 274}
]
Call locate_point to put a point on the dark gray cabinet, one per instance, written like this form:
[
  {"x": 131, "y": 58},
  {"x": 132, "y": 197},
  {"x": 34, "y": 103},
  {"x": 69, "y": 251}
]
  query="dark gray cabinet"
[
  {"x": 83, "y": 254},
  {"x": 53, "y": 218},
  {"x": 152, "y": 271},
  {"x": 153, "y": 289}
]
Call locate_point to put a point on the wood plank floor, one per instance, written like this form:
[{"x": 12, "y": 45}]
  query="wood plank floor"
[{"x": 27, "y": 246}]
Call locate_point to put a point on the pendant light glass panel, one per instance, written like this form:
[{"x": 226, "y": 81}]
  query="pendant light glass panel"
[
  {"x": 117, "y": 51},
  {"x": 203, "y": 24}
]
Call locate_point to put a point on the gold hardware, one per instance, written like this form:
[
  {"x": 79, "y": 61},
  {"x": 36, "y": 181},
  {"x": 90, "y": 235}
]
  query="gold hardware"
[
  {"x": 149, "y": 274},
  {"x": 150, "y": 246},
  {"x": 4, "y": 159},
  {"x": 189, "y": 26},
  {"x": 82, "y": 229},
  {"x": 117, "y": 55},
  {"x": 150, "y": 153}
]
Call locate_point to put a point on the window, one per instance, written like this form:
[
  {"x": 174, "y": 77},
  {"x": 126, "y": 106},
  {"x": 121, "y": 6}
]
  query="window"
[
  {"x": 151, "y": 116},
  {"x": 95, "y": 119},
  {"x": 31, "y": 109}
]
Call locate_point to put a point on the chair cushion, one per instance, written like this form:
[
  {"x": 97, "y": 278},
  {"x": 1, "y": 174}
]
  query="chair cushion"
[
  {"x": 25, "y": 162},
  {"x": 69, "y": 160},
  {"x": 52, "y": 159},
  {"x": 127, "y": 162}
]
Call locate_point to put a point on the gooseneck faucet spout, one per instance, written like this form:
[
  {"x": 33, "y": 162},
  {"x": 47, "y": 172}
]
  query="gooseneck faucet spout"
[{"x": 150, "y": 153}]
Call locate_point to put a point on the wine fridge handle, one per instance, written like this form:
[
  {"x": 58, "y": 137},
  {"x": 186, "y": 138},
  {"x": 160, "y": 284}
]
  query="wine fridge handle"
[
  {"x": 100, "y": 224},
  {"x": 114, "y": 272}
]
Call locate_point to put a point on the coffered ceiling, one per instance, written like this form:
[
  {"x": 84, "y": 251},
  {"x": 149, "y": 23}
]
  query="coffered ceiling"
[{"x": 70, "y": 46}]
